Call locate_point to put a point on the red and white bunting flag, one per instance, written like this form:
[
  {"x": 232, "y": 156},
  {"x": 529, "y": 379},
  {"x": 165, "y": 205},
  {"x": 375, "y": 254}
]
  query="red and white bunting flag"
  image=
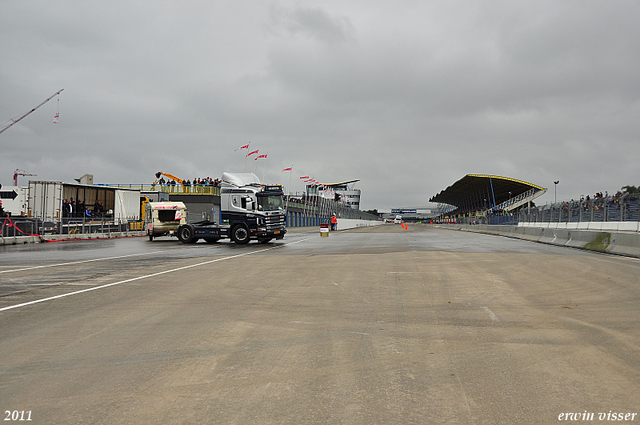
[
  {"x": 243, "y": 147},
  {"x": 55, "y": 119},
  {"x": 261, "y": 156},
  {"x": 309, "y": 181},
  {"x": 304, "y": 177},
  {"x": 288, "y": 169},
  {"x": 251, "y": 153}
]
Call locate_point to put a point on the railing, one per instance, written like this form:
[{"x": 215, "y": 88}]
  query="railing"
[
  {"x": 602, "y": 209},
  {"x": 171, "y": 189},
  {"x": 315, "y": 210},
  {"x": 610, "y": 209},
  {"x": 513, "y": 202},
  {"x": 38, "y": 227},
  {"x": 19, "y": 226}
]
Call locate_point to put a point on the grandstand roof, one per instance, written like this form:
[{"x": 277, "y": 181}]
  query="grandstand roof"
[
  {"x": 340, "y": 183},
  {"x": 473, "y": 189}
]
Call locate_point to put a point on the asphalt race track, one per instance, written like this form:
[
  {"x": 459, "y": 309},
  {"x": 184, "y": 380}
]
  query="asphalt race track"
[{"x": 368, "y": 326}]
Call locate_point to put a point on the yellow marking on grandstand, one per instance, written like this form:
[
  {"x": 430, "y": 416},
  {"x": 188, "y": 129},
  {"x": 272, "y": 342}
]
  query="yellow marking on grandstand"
[{"x": 506, "y": 178}]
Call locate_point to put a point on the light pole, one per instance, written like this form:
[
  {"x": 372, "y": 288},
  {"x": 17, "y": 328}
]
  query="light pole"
[{"x": 555, "y": 191}]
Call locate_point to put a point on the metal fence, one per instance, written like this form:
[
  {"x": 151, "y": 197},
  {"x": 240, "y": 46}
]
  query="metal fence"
[
  {"x": 601, "y": 209},
  {"x": 617, "y": 208},
  {"x": 22, "y": 226},
  {"x": 172, "y": 189},
  {"x": 315, "y": 210}
]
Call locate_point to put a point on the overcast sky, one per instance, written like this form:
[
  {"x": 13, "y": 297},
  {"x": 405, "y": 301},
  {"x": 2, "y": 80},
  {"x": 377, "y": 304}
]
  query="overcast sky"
[{"x": 407, "y": 96}]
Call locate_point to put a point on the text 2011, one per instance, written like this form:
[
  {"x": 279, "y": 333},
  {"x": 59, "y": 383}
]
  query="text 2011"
[{"x": 17, "y": 415}]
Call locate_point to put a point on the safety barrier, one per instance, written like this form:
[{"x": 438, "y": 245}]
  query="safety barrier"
[
  {"x": 171, "y": 189},
  {"x": 30, "y": 230},
  {"x": 608, "y": 226},
  {"x": 315, "y": 210},
  {"x": 348, "y": 223},
  {"x": 612, "y": 210},
  {"x": 601, "y": 241}
]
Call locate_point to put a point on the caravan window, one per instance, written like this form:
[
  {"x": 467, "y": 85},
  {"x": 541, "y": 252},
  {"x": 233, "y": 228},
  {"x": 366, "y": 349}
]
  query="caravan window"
[{"x": 167, "y": 215}]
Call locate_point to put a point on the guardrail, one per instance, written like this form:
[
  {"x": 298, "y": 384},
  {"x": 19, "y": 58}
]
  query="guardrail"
[
  {"x": 609, "y": 241},
  {"x": 38, "y": 229},
  {"x": 582, "y": 214},
  {"x": 316, "y": 210},
  {"x": 171, "y": 189},
  {"x": 625, "y": 208}
]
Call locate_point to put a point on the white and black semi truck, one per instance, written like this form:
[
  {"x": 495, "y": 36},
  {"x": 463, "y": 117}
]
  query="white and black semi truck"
[{"x": 249, "y": 210}]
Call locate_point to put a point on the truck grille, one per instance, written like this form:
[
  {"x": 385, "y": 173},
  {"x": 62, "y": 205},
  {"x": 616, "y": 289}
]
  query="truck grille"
[{"x": 275, "y": 222}]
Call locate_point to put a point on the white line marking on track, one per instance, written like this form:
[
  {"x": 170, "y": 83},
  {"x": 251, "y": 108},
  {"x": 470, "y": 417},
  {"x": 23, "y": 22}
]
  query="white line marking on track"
[
  {"x": 491, "y": 314},
  {"x": 146, "y": 276},
  {"x": 79, "y": 262}
]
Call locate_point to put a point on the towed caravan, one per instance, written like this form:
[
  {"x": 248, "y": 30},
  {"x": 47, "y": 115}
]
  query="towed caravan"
[{"x": 164, "y": 218}]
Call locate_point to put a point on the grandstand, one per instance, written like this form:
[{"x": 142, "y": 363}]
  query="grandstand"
[{"x": 480, "y": 195}]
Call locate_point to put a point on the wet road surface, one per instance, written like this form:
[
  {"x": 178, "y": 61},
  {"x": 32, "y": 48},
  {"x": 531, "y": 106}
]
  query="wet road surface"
[{"x": 375, "y": 325}]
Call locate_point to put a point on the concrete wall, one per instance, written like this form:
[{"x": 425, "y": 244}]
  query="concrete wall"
[
  {"x": 609, "y": 226},
  {"x": 350, "y": 223},
  {"x": 614, "y": 242}
]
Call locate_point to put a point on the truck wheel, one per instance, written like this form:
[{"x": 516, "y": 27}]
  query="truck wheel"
[
  {"x": 240, "y": 235},
  {"x": 185, "y": 233}
]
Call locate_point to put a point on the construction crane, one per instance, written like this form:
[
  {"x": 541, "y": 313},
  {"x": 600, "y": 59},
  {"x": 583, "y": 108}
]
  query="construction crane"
[
  {"x": 20, "y": 173},
  {"x": 16, "y": 120},
  {"x": 172, "y": 177}
]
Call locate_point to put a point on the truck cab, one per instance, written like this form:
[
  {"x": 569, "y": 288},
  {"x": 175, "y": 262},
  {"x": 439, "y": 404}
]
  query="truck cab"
[{"x": 249, "y": 210}]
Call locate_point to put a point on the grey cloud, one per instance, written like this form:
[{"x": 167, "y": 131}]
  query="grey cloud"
[
  {"x": 310, "y": 22},
  {"x": 408, "y": 97}
]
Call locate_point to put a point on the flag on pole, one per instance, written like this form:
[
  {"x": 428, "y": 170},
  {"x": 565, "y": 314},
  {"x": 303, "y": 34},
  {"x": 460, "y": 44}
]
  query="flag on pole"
[
  {"x": 55, "y": 119},
  {"x": 288, "y": 169},
  {"x": 304, "y": 177},
  {"x": 251, "y": 153},
  {"x": 260, "y": 156},
  {"x": 243, "y": 147}
]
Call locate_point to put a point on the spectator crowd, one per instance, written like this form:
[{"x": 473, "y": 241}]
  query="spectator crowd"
[
  {"x": 197, "y": 182},
  {"x": 71, "y": 208}
]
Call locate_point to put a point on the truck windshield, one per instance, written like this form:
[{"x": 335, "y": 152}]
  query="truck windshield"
[{"x": 270, "y": 202}]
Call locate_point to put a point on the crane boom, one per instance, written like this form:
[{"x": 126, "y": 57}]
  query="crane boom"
[
  {"x": 15, "y": 120},
  {"x": 20, "y": 173},
  {"x": 172, "y": 177}
]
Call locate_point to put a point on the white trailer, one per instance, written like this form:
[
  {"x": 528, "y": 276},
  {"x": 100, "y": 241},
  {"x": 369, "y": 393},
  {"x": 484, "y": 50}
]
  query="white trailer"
[
  {"x": 126, "y": 205},
  {"x": 14, "y": 199},
  {"x": 45, "y": 201}
]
